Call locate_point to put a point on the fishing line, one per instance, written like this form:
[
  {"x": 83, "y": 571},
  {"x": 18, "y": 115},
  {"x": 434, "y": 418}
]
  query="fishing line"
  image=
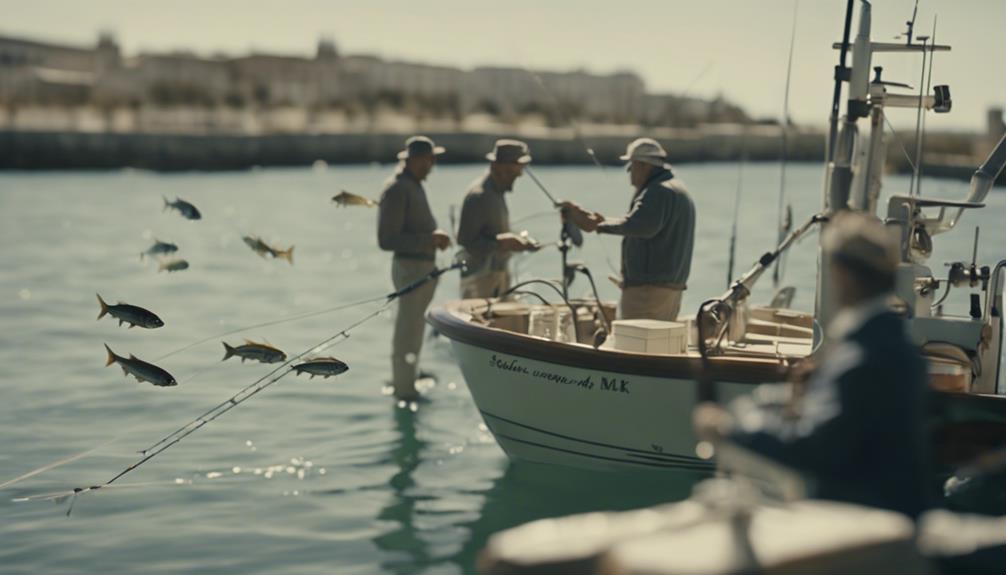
[
  {"x": 259, "y": 385},
  {"x": 274, "y": 322}
]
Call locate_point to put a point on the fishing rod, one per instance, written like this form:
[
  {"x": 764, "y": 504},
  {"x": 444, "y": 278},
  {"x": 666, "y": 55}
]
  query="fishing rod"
[
  {"x": 566, "y": 119},
  {"x": 737, "y": 209},
  {"x": 784, "y": 223},
  {"x": 259, "y": 385}
]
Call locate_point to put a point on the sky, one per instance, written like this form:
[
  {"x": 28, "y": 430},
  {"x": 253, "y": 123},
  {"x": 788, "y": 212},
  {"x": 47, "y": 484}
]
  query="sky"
[{"x": 734, "y": 48}]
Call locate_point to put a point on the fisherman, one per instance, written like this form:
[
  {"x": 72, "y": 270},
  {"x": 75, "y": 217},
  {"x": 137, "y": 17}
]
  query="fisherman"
[
  {"x": 857, "y": 427},
  {"x": 406, "y": 227},
  {"x": 484, "y": 229},
  {"x": 658, "y": 234}
]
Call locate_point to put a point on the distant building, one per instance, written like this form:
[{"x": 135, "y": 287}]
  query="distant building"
[{"x": 50, "y": 74}]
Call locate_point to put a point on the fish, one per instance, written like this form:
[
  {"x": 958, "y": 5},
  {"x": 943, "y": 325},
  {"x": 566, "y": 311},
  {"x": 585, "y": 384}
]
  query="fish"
[
  {"x": 344, "y": 198},
  {"x": 173, "y": 265},
  {"x": 132, "y": 314},
  {"x": 323, "y": 366},
  {"x": 187, "y": 210},
  {"x": 159, "y": 248},
  {"x": 260, "y": 352},
  {"x": 140, "y": 369},
  {"x": 263, "y": 249}
]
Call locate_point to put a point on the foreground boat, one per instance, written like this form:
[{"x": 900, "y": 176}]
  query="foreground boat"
[{"x": 572, "y": 402}]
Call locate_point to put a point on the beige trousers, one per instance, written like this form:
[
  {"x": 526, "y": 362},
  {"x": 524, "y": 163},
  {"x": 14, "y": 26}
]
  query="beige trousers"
[
  {"x": 409, "y": 323},
  {"x": 485, "y": 284},
  {"x": 650, "y": 302}
]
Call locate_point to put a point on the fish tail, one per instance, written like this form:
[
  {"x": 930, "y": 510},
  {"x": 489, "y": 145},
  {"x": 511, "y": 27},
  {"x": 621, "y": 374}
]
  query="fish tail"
[
  {"x": 104, "y": 306},
  {"x": 228, "y": 351},
  {"x": 167, "y": 204},
  {"x": 286, "y": 254},
  {"x": 111, "y": 356}
]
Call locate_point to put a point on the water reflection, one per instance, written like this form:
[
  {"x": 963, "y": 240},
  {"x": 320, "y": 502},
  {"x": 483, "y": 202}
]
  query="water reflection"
[{"x": 406, "y": 548}]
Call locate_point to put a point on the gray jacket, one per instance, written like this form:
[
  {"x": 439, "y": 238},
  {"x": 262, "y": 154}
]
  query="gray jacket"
[
  {"x": 405, "y": 223},
  {"x": 659, "y": 232},
  {"x": 484, "y": 214}
]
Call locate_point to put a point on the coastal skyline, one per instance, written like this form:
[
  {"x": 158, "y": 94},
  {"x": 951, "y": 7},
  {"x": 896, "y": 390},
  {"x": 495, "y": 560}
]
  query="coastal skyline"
[{"x": 676, "y": 47}]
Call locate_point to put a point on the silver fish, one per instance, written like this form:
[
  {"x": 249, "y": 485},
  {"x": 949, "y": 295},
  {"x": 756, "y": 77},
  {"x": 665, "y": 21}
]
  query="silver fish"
[
  {"x": 344, "y": 198},
  {"x": 140, "y": 369},
  {"x": 261, "y": 352},
  {"x": 159, "y": 248},
  {"x": 187, "y": 210},
  {"x": 131, "y": 314},
  {"x": 173, "y": 265},
  {"x": 323, "y": 366},
  {"x": 261, "y": 248}
]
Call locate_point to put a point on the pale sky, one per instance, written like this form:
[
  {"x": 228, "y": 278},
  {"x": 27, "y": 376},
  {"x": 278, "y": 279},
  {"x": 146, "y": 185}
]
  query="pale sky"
[{"x": 734, "y": 47}]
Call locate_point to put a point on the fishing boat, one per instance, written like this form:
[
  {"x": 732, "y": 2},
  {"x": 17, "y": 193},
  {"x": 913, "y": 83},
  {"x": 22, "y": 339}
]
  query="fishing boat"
[{"x": 554, "y": 386}]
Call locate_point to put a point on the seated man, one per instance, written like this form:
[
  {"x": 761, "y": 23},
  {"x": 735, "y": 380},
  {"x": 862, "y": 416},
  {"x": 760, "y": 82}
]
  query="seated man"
[{"x": 859, "y": 428}]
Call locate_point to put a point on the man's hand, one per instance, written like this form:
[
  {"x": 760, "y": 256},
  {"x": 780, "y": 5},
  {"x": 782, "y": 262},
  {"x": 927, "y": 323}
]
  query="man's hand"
[
  {"x": 586, "y": 220},
  {"x": 510, "y": 242},
  {"x": 712, "y": 423},
  {"x": 441, "y": 240}
]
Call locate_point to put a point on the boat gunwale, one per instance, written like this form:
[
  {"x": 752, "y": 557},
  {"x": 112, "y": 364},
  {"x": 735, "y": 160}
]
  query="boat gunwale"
[{"x": 450, "y": 320}]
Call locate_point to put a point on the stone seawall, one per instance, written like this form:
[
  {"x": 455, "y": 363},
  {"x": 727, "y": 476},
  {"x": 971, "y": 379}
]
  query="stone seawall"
[
  {"x": 39, "y": 150},
  {"x": 83, "y": 150}
]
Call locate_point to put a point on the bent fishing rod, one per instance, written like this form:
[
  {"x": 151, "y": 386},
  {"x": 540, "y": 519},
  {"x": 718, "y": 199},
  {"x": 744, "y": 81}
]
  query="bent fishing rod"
[{"x": 259, "y": 385}]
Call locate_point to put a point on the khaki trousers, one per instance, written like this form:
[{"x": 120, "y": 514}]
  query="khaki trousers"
[
  {"x": 409, "y": 323},
  {"x": 485, "y": 284},
  {"x": 650, "y": 302}
]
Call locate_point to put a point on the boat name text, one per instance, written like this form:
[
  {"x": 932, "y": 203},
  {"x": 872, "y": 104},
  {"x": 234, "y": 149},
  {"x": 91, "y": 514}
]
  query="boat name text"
[{"x": 613, "y": 384}]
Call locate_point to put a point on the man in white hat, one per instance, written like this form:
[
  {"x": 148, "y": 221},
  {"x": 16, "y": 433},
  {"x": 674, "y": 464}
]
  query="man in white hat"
[
  {"x": 484, "y": 229},
  {"x": 406, "y": 227},
  {"x": 658, "y": 234}
]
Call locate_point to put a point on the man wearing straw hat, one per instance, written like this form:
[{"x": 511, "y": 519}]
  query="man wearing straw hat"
[
  {"x": 658, "y": 234},
  {"x": 406, "y": 227},
  {"x": 859, "y": 426},
  {"x": 484, "y": 229}
]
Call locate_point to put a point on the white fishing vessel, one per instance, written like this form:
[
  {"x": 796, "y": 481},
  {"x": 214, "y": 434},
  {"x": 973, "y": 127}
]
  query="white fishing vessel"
[{"x": 550, "y": 394}]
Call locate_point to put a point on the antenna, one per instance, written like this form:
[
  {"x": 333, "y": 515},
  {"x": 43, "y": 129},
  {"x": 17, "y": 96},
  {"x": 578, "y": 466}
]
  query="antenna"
[
  {"x": 913, "y": 188},
  {"x": 911, "y": 25},
  {"x": 922, "y": 133}
]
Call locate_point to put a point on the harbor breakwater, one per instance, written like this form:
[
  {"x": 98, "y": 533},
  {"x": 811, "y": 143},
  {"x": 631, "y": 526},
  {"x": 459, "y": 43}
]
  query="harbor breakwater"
[{"x": 58, "y": 150}]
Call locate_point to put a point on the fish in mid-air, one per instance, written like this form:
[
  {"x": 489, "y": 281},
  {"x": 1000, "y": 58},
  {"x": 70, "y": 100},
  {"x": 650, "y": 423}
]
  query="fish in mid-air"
[
  {"x": 263, "y": 249},
  {"x": 132, "y": 314},
  {"x": 344, "y": 198},
  {"x": 159, "y": 249},
  {"x": 173, "y": 265},
  {"x": 323, "y": 366},
  {"x": 187, "y": 210},
  {"x": 261, "y": 352},
  {"x": 140, "y": 369}
]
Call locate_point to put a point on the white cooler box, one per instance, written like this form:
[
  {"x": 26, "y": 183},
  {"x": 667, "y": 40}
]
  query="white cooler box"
[{"x": 650, "y": 336}]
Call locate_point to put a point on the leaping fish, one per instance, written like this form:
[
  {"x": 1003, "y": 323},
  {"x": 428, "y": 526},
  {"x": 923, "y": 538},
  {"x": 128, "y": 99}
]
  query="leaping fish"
[
  {"x": 140, "y": 369},
  {"x": 173, "y": 265},
  {"x": 132, "y": 314},
  {"x": 344, "y": 198},
  {"x": 159, "y": 249},
  {"x": 187, "y": 210},
  {"x": 323, "y": 366},
  {"x": 255, "y": 351},
  {"x": 261, "y": 248}
]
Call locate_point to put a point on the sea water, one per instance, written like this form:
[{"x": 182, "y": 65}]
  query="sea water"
[{"x": 309, "y": 476}]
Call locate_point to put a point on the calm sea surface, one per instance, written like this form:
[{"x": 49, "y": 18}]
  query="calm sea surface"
[{"x": 311, "y": 476}]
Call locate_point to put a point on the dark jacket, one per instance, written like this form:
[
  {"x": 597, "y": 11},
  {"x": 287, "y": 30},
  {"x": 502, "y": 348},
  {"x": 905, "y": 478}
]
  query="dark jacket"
[
  {"x": 659, "y": 232},
  {"x": 861, "y": 429}
]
